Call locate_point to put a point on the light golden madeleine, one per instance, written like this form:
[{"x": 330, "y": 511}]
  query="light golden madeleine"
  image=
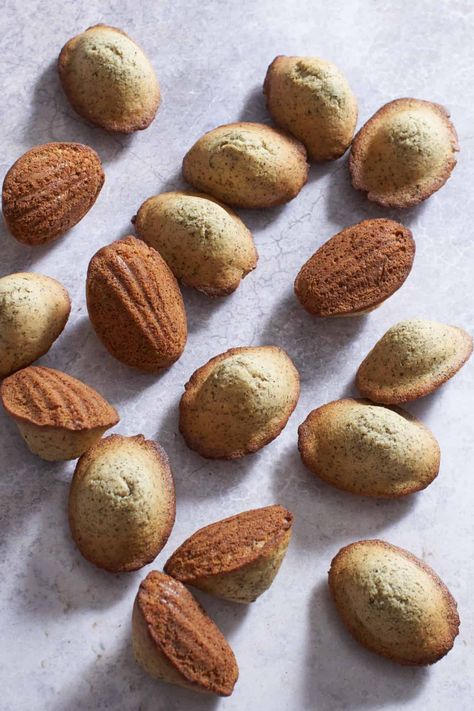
[
  {"x": 247, "y": 165},
  {"x": 135, "y": 305},
  {"x": 312, "y": 99},
  {"x": 368, "y": 449},
  {"x": 205, "y": 244},
  {"x": 122, "y": 503},
  {"x": 33, "y": 312},
  {"x": 238, "y": 402},
  {"x": 393, "y": 603},
  {"x": 411, "y": 360},
  {"x": 356, "y": 270},
  {"x": 237, "y": 558},
  {"x": 175, "y": 641},
  {"x": 404, "y": 153},
  {"x": 58, "y": 416},
  {"x": 109, "y": 80},
  {"x": 49, "y": 189}
]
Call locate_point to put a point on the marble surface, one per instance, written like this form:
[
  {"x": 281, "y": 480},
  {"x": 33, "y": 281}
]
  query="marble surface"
[{"x": 66, "y": 625}]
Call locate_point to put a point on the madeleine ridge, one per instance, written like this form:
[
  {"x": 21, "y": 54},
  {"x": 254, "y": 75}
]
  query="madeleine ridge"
[
  {"x": 355, "y": 271},
  {"x": 205, "y": 244},
  {"x": 135, "y": 305},
  {"x": 412, "y": 359},
  {"x": 237, "y": 558},
  {"x": 312, "y": 99},
  {"x": 238, "y": 402},
  {"x": 393, "y": 603},
  {"x": 108, "y": 79},
  {"x": 174, "y": 639},
  {"x": 122, "y": 503},
  {"x": 33, "y": 312},
  {"x": 58, "y": 416},
  {"x": 49, "y": 189},
  {"x": 247, "y": 164},
  {"x": 368, "y": 449},
  {"x": 404, "y": 153}
]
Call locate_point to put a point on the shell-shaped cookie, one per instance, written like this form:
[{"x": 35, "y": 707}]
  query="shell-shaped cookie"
[
  {"x": 33, "y": 312},
  {"x": 174, "y": 639},
  {"x": 368, "y": 449},
  {"x": 412, "y": 359},
  {"x": 237, "y": 558},
  {"x": 238, "y": 402},
  {"x": 58, "y": 416},
  {"x": 311, "y": 98},
  {"x": 122, "y": 503},
  {"x": 393, "y": 603},
  {"x": 357, "y": 269},
  {"x": 205, "y": 244},
  {"x": 135, "y": 305},
  {"x": 247, "y": 164},
  {"x": 108, "y": 79},
  {"x": 404, "y": 153},
  {"x": 49, "y": 189}
]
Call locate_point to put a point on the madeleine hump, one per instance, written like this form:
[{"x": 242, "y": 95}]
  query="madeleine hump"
[
  {"x": 393, "y": 603},
  {"x": 236, "y": 558},
  {"x": 205, "y": 243},
  {"x": 174, "y": 639},
  {"x": 312, "y": 99},
  {"x": 238, "y": 402},
  {"x": 135, "y": 305},
  {"x": 356, "y": 270},
  {"x": 122, "y": 503},
  {"x": 58, "y": 416},
  {"x": 368, "y": 449},
  {"x": 247, "y": 165},
  {"x": 33, "y": 312},
  {"x": 412, "y": 359},
  {"x": 108, "y": 80},
  {"x": 404, "y": 153},
  {"x": 49, "y": 190}
]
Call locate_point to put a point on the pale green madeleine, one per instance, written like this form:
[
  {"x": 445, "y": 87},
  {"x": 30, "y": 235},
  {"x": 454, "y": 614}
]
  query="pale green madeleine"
[
  {"x": 109, "y": 80},
  {"x": 205, "y": 244},
  {"x": 412, "y": 359},
  {"x": 368, "y": 449},
  {"x": 404, "y": 153}
]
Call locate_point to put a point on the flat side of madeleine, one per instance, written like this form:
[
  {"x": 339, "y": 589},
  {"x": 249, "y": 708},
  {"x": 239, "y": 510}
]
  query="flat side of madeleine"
[{"x": 393, "y": 603}]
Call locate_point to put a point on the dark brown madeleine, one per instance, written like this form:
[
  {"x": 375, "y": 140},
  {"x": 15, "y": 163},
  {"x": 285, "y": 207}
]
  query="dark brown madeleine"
[
  {"x": 174, "y": 639},
  {"x": 49, "y": 190},
  {"x": 135, "y": 305},
  {"x": 357, "y": 269},
  {"x": 236, "y": 558}
]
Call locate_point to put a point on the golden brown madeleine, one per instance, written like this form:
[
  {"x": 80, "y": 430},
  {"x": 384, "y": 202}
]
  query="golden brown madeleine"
[
  {"x": 247, "y": 164},
  {"x": 393, "y": 603},
  {"x": 33, "y": 312},
  {"x": 175, "y": 641},
  {"x": 58, "y": 416},
  {"x": 108, "y": 79},
  {"x": 122, "y": 503},
  {"x": 368, "y": 449},
  {"x": 237, "y": 558},
  {"x": 238, "y": 402},
  {"x": 356, "y": 270},
  {"x": 412, "y": 359},
  {"x": 49, "y": 189},
  {"x": 312, "y": 99},
  {"x": 205, "y": 244},
  {"x": 135, "y": 305},
  {"x": 404, "y": 153}
]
